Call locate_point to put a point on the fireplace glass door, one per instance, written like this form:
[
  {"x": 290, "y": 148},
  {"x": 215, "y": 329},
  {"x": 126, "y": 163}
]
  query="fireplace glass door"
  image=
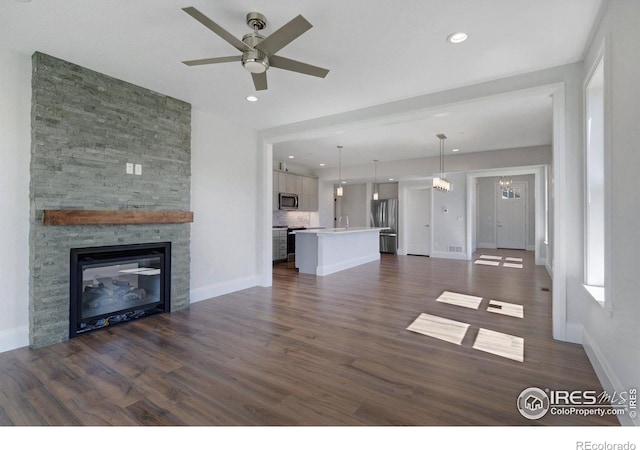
[{"x": 115, "y": 286}]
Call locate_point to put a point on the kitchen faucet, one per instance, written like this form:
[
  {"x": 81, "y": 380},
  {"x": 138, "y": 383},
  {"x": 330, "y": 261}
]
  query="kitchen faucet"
[{"x": 346, "y": 216}]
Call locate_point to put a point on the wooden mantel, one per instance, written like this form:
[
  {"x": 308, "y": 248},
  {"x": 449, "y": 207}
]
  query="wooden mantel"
[{"x": 57, "y": 217}]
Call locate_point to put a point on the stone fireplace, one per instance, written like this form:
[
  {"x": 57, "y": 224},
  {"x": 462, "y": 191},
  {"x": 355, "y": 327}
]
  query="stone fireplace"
[{"x": 87, "y": 128}]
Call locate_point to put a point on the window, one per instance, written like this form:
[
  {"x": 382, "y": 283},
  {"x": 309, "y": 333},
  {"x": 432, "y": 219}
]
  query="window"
[
  {"x": 510, "y": 193},
  {"x": 595, "y": 181}
]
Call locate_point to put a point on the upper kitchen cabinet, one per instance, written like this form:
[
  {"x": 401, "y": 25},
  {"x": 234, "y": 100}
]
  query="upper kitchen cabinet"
[
  {"x": 289, "y": 183},
  {"x": 309, "y": 197},
  {"x": 306, "y": 187}
]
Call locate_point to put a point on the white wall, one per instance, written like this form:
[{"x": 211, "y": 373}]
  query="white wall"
[
  {"x": 224, "y": 187},
  {"x": 325, "y": 204},
  {"x": 354, "y": 204},
  {"x": 450, "y": 219},
  {"x": 15, "y": 141},
  {"x": 485, "y": 213},
  {"x": 611, "y": 337}
]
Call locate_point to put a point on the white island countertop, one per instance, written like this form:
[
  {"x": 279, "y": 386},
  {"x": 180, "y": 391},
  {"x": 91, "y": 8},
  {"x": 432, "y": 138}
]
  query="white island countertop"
[
  {"x": 340, "y": 230},
  {"x": 328, "y": 250}
]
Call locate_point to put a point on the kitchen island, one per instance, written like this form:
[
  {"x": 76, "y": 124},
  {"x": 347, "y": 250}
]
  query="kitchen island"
[{"x": 328, "y": 250}]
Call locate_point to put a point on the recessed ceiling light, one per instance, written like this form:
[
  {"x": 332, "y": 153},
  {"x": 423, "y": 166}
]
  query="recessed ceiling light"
[
  {"x": 344, "y": 182},
  {"x": 291, "y": 156},
  {"x": 456, "y": 38},
  {"x": 321, "y": 164},
  {"x": 455, "y": 149},
  {"x": 390, "y": 179},
  {"x": 252, "y": 98}
]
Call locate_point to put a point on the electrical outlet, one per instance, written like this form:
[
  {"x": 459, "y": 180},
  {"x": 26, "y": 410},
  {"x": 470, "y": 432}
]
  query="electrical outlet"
[
  {"x": 129, "y": 169},
  {"x": 138, "y": 169}
]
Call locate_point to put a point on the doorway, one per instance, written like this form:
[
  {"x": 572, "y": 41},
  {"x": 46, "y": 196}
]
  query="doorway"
[
  {"x": 419, "y": 222},
  {"x": 511, "y": 220}
]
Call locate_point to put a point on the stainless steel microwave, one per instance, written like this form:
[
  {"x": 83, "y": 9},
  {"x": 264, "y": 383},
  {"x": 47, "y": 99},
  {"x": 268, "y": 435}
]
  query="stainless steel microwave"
[{"x": 288, "y": 201}]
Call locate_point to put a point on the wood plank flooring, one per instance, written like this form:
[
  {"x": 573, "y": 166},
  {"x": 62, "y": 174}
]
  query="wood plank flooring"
[{"x": 310, "y": 350}]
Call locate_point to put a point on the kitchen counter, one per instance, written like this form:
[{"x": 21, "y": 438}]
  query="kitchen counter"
[
  {"x": 328, "y": 250},
  {"x": 340, "y": 230}
]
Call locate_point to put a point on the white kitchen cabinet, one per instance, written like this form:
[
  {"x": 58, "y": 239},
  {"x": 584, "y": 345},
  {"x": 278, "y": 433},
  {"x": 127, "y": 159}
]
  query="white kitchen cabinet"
[
  {"x": 290, "y": 183},
  {"x": 279, "y": 245},
  {"x": 309, "y": 200},
  {"x": 304, "y": 186}
]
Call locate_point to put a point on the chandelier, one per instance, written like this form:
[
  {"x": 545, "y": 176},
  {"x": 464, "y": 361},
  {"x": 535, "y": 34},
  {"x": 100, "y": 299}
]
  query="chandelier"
[
  {"x": 439, "y": 182},
  {"x": 505, "y": 182}
]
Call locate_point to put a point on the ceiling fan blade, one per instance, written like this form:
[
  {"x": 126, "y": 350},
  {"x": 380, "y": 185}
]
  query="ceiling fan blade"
[
  {"x": 297, "y": 66},
  {"x": 260, "y": 81},
  {"x": 223, "y": 59},
  {"x": 284, "y": 35},
  {"x": 217, "y": 29}
]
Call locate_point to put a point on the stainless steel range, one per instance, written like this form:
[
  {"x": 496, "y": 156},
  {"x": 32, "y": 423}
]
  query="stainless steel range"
[{"x": 291, "y": 244}]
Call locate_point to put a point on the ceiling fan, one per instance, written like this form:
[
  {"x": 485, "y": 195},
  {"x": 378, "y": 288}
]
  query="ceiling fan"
[{"x": 259, "y": 52}]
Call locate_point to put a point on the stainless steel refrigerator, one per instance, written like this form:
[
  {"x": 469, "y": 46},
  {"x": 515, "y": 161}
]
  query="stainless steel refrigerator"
[{"x": 384, "y": 213}]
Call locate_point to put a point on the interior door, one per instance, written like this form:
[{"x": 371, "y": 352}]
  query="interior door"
[
  {"x": 419, "y": 222},
  {"x": 511, "y": 221}
]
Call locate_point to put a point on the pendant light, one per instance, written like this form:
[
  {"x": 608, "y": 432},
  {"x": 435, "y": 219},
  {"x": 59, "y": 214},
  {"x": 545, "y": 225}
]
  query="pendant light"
[
  {"x": 439, "y": 182},
  {"x": 505, "y": 182},
  {"x": 339, "y": 190},
  {"x": 375, "y": 179}
]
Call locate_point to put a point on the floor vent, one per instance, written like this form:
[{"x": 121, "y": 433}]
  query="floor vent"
[{"x": 545, "y": 289}]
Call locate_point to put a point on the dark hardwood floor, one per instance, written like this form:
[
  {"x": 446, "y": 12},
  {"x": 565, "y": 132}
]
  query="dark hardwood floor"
[{"x": 310, "y": 350}]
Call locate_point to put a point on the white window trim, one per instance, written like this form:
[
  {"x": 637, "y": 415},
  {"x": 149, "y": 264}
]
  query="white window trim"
[{"x": 600, "y": 294}]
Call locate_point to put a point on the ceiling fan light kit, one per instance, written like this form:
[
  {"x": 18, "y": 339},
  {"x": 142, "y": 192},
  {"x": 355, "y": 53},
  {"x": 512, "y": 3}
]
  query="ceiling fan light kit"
[{"x": 259, "y": 52}]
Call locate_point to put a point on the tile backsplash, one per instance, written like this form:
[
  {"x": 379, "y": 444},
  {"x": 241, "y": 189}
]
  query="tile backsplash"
[{"x": 292, "y": 218}]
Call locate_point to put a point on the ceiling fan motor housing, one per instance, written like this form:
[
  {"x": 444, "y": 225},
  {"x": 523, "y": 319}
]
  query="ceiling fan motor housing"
[
  {"x": 254, "y": 60},
  {"x": 256, "y": 21}
]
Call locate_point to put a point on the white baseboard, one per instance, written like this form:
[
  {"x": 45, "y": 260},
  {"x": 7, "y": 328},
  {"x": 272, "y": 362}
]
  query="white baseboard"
[
  {"x": 486, "y": 245},
  {"x": 226, "y": 287},
  {"x": 14, "y": 338},
  {"x": 606, "y": 374},
  {"x": 448, "y": 255},
  {"x": 547, "y": 265}
]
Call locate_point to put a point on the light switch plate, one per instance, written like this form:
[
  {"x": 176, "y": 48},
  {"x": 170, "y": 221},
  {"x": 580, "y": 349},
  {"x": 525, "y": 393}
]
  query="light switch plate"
[
  {"x": 129, "y": 169},
  {"x": 138, "y": 169}
]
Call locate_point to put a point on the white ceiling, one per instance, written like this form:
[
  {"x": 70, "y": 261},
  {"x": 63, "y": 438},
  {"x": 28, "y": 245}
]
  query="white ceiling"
[
  {"x": 377, "y": 52},
  {"x": 473, "y": 127}
]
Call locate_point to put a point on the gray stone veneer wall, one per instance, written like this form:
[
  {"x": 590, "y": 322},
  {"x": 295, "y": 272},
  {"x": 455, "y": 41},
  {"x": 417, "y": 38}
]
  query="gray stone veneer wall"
[{"x": 85, "y": 127}]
